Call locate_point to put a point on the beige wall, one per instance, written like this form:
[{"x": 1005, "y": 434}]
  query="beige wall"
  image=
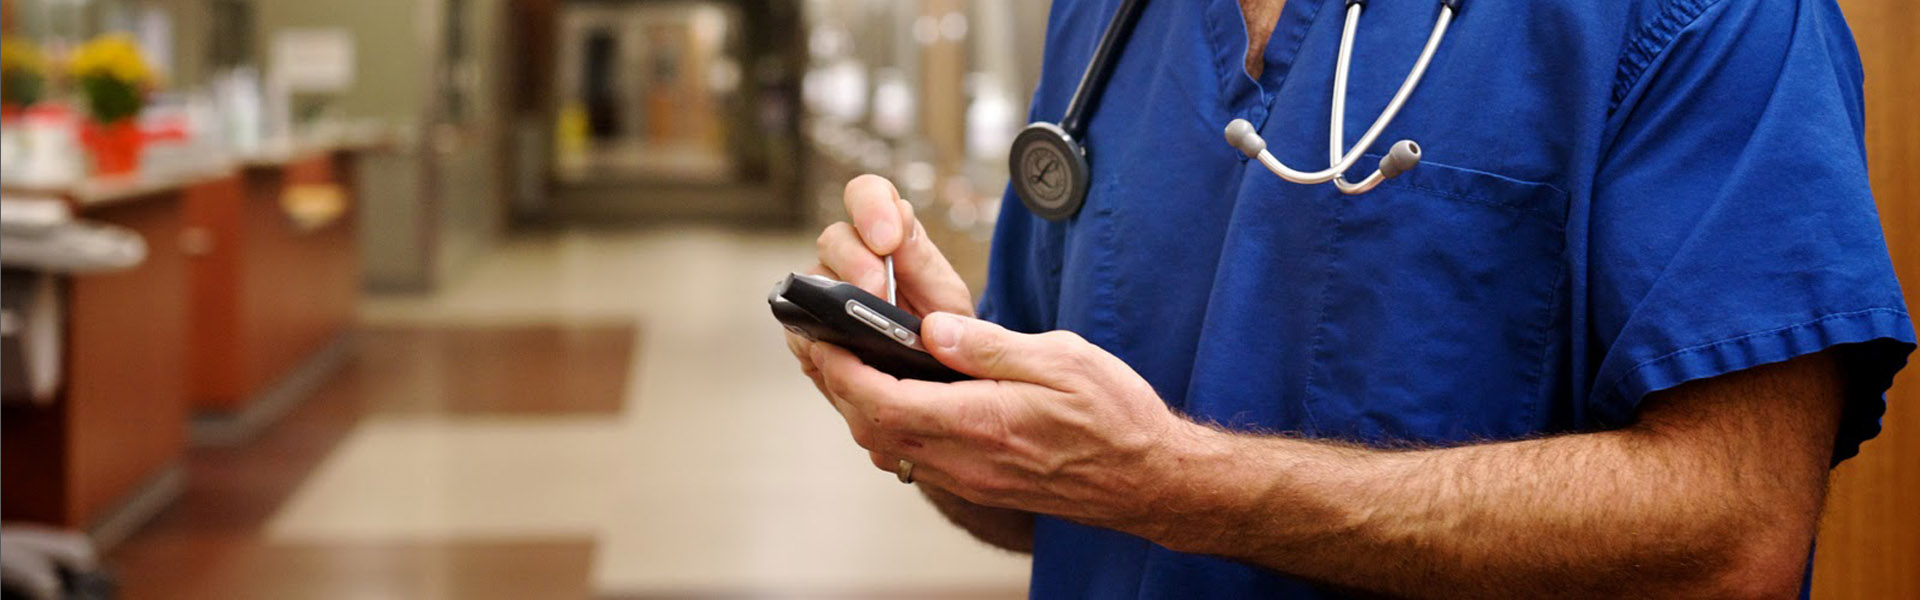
[
  {"x": 471, "y": 213},
  {"x": 392, "y": 48},
  {"x": 432, "y": 204},
  {"x": 391, "y": 80}
]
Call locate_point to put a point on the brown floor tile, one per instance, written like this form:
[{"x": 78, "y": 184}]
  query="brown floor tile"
[
  {"x": 226, "y": 567},
  {"x": 208, "y": 544},
  {"x": 497, "y": 370}
]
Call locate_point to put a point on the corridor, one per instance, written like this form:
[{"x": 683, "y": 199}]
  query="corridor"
[{"x": 589, "y": 414}]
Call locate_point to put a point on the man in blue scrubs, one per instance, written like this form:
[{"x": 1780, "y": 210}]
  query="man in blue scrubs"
[{"x": 1606, "y": 340}]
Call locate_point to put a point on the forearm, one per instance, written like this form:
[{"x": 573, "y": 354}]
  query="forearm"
[
  {"x": 1477, "y": 521},
  {"x": 1667, "y": 511},
  {"x": 1714, "y": 491},
  {"x": 1004, "y": 528}
]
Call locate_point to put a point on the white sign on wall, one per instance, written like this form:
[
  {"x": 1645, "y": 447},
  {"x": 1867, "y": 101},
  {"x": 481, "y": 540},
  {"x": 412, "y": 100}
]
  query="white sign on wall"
[{"x": 313, "y": 60}]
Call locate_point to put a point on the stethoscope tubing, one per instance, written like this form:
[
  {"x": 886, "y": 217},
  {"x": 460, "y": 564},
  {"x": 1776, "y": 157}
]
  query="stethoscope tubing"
[
  {"x": 1093, "y": 80},
  {"x": 1337, "y": 131},
  {"x": 1343, "y": 162},
  {"x": 1063, "y": 144}
]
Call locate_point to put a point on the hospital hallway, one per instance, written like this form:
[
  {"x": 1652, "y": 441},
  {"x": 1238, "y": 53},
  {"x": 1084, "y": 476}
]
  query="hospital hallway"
[
  {"x": 468, "y": 299},
  {"x": 588, "y": 413}
]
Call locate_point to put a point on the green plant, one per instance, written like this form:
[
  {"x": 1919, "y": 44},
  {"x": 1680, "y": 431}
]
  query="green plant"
[
  {"x": 112, "y": 76},
  {"x": 23, "y": 73}
]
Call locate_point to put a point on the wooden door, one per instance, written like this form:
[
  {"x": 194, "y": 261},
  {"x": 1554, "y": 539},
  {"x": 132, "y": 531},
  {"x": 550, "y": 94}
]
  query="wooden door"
[{"x": 1870, "y": 539}]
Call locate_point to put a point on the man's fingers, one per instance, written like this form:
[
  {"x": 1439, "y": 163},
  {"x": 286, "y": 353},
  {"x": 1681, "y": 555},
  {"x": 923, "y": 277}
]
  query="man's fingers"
[
  {"x": 872, "y": 204},
  {"x": 802, "y": 349},
  {"x": 975, "y": 486},
  {"x": 880, "y": 409},
  {"x": 925, "y": 274},
  {"x": 924, "y": 471},
  {"x": 843, "y": 253},
  {"x": 817, "y": 355},
  {"x": 884, "y": 225},
  {"x": 988, "y": 351},
  {"x": 906, "y": 220}
]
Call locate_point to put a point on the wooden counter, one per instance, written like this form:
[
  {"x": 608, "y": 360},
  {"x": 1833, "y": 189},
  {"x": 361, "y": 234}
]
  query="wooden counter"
[
  {"x": 109, "y": 442},
  {"x": 269, "y": 293},
  {"x": 242, "y": 285}
]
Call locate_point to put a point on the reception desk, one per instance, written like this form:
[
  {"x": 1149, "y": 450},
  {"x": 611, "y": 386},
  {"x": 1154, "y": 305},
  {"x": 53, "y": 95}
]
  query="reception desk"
[
  {"x": 248, "y": 288},
  {"x": 273, "y": 281},
  {"x": 104, "y": 453}
]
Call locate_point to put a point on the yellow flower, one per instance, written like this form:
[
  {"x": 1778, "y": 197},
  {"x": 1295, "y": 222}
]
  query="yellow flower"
[
  {"x": 113, "y": 55},
  {"x": 18, "y": 55}
]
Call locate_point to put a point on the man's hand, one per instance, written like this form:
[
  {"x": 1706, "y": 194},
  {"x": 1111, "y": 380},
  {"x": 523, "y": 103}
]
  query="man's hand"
[
  {"x": 1053, "y": 425},
  {"x": 882, "y": 225}
]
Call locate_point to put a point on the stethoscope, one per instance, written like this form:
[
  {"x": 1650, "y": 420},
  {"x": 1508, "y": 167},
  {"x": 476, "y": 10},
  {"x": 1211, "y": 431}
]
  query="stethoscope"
[{"x": 1049, "y": 167}]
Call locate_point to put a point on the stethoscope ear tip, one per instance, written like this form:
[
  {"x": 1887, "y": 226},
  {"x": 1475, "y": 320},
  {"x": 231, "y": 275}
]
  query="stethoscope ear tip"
[
  {"x": 1404, "y": 156},
  {"x": 1241, "y": 134}
]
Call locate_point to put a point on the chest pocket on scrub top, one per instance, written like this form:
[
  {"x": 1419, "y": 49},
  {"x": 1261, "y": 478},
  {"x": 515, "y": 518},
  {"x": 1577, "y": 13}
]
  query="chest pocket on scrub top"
[{"x": 1443, "y": 314}]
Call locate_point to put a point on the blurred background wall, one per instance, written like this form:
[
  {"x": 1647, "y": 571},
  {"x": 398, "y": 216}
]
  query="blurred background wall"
[{"x": 544, "y": 111}]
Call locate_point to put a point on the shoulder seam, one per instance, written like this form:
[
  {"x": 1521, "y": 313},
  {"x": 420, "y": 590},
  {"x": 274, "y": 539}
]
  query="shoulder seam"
[{"x": 1648, "y": 41}]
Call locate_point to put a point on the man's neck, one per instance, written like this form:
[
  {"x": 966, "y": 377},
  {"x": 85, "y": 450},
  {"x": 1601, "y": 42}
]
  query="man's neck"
[{"x": 1261, "y": 16}]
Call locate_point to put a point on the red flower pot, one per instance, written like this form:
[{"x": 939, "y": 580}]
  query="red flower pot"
[{"x": 115, "y": 146}]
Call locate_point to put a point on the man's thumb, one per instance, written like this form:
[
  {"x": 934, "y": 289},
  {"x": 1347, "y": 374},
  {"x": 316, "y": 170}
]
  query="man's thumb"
[{"x": 978, "y": 348}]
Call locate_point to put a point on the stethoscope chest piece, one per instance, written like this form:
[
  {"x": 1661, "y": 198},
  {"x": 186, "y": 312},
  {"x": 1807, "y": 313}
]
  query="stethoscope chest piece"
[{"x": 1049, "y": 171}]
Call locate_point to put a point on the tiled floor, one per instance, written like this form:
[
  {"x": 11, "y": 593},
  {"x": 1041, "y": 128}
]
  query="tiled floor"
[{"x": 586, "y": 414}]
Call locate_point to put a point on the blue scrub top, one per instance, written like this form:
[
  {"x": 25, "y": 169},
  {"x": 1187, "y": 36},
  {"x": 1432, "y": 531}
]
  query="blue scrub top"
[{"x": 1615, "y": 198}]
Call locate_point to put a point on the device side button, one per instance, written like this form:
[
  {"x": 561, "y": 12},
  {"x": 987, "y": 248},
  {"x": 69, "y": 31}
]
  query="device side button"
[{"x": 868, "y": 316}]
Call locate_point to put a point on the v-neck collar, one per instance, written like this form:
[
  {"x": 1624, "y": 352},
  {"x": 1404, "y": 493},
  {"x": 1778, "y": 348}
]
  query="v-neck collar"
[{"x": 1242, "y": 94}]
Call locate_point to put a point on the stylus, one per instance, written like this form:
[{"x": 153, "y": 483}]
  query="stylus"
[{"x": 890, "y": 283}]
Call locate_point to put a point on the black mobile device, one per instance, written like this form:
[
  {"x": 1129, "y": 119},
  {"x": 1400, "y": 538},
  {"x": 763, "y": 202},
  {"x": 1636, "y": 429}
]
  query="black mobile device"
[{"x": 842, "y": 314}]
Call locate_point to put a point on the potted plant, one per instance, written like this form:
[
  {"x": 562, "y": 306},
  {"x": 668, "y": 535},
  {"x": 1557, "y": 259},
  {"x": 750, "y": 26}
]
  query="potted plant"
[
  {"x": 23, "y": 76},
  {"x": 113, "y": 79}
]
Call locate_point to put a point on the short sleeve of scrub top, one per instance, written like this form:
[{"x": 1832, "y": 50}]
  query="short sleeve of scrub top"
[{"x": 1733, "y": 225}]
